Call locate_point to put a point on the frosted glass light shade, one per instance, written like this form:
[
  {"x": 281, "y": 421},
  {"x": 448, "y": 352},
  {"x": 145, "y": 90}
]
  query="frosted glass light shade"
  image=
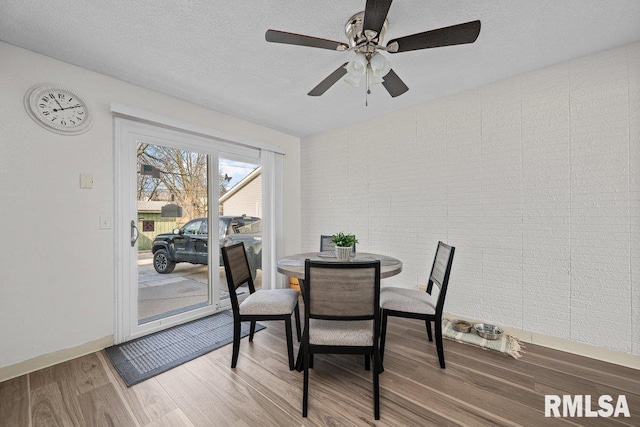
[
  {"x": 380, "y": 66},
  {"x": 356, "y": 69}
]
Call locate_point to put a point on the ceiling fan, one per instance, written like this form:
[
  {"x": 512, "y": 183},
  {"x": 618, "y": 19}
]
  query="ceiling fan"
[{"x": 365, "y": 31}]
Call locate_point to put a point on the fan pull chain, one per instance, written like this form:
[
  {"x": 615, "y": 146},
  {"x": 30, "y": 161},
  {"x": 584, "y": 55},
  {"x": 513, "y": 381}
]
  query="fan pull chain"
[{"x": 366, "y": 96}]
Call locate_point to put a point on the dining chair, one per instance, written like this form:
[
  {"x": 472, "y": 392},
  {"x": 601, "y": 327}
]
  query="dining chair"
[
  {"x": 416, "y": 304},
  {"x": 342, "y": 315},
  {"x": 262, "y": 305},
  {"x": 326, "y": 244}
]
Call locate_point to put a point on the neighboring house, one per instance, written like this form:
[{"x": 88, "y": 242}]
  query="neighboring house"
[{"x": 244, "y": 198}]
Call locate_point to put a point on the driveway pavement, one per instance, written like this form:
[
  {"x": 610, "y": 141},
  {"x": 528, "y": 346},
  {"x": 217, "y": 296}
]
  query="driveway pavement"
[{"x": 184, "y": 287}]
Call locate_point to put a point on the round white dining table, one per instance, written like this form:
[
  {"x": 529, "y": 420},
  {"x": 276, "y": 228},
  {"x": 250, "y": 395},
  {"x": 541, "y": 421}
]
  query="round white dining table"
[{"x": 293, "y": 265}]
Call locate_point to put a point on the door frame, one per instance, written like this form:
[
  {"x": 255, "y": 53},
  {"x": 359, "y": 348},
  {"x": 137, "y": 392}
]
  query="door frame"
[{"x": 126, "y": 135}]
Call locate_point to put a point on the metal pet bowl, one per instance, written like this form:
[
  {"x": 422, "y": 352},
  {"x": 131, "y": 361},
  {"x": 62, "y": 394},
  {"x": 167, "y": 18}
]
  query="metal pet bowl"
[
  {"x": 490, "y": 332},
  {"x": 461, "y": 325}
]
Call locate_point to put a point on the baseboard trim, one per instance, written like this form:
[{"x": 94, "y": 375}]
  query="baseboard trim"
[
  {"x": 50, "y": 359},
  {"x": 587, "y": 350}
]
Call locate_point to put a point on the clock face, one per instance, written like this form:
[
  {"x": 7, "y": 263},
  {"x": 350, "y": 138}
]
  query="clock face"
[{"x": 58, "y": 109}]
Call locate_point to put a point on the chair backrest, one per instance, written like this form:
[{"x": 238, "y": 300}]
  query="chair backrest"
[
  {"x": 326, "y": 244},
  {"x": 236, "y": 268},
  {"x": 342, "y": 290},
  {"x": 440, "y": 272}
]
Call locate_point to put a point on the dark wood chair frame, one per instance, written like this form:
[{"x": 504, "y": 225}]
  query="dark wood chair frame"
[
  {"x": 428, "y": 318},
  {"x": 253, "y": 318},
  {"x": 308, "y": 350}
]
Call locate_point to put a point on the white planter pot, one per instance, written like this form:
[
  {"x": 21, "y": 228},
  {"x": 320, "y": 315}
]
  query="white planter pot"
[{"x": 343, "y": 253}]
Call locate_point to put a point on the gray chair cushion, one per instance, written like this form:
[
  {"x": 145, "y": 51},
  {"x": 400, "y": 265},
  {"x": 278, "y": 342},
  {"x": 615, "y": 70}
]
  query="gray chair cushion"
[
  {"x": 407, "y": 300},
  {"x": 341, "y": 332},
  {"x": 273, "y": 301}
]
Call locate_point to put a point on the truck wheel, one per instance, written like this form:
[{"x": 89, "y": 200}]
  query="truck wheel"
[{"x": 162, "y": 263}]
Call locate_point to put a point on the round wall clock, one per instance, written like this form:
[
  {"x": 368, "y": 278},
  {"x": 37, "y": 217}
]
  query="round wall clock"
[{"x": 58, "y": 109}]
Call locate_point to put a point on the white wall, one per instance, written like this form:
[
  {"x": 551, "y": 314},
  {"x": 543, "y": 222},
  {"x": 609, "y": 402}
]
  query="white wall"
[
  {"x": 535, "y": 180},
  {"x": 56, "y": 265}
]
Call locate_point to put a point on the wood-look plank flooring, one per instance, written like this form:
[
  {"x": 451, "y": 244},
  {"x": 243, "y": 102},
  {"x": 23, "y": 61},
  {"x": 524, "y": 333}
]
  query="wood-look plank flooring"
[{"x": 478, "y": 388}]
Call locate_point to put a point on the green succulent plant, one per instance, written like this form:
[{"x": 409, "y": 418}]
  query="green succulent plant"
[{"x": 344, "y": 240}]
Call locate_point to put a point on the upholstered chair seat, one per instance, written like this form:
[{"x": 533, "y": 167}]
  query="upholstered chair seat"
[
  {"x": 408, "y": 300},
  {"x": 342, "y": 333},
  {"x": 273, "y": 301}
]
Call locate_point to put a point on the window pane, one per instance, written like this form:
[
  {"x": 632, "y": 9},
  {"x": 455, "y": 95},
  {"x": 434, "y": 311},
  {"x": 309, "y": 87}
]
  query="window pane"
[
  {"x": 240, "y": 208},
  {"x": 172, "y": 267}
]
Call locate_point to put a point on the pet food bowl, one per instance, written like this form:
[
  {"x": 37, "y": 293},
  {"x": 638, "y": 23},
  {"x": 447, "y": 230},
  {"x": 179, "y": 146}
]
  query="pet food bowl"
[
  {"x": 461, "y": 325},
  {"x": 487, "y": 331}
]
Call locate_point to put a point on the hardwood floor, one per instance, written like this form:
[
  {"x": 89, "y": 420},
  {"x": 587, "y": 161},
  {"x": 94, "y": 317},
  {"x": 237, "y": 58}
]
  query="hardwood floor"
[{"x": 477, "y": 388}]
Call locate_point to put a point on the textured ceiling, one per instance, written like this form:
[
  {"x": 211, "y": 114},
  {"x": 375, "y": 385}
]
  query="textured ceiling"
[{"x": 213, "y": 52}]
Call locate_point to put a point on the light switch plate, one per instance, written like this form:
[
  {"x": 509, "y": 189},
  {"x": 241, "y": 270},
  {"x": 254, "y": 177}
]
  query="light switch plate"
[{"x": 86, "y": 180}]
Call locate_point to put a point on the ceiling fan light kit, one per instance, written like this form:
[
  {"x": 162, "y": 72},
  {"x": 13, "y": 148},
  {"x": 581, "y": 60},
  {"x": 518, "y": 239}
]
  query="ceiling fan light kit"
[{"x": 365, "y": 32}]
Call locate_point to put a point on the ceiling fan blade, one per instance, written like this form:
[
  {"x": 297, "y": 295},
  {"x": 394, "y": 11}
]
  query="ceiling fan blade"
[
  {"x": 331, "y": 79},
  {"x": 394, "y": 85},
  {"x": 276, "y": 36},
  {"x": 447, "y": 36},
  {"x": 375, "y": 12}
]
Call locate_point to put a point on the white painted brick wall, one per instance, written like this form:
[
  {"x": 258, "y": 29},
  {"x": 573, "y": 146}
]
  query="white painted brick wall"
[
  {"x": 634, "y": 188},
  {"x": 535, "y": 180}
]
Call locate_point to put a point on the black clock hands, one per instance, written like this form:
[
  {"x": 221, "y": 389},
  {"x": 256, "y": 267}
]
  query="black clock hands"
[
  {"x": 61, "y": 108},
  {"x": 68, "y": 108}
]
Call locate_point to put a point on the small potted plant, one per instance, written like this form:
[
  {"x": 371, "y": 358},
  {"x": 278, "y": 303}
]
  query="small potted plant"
[{"x": 344, "y": 245}]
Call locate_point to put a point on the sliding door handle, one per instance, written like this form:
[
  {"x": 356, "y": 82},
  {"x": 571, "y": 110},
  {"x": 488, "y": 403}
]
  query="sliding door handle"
[{"x": 134, "y": 233}]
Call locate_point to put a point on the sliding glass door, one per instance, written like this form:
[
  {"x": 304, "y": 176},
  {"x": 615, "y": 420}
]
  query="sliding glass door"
[{"x": 173, "y": 191}]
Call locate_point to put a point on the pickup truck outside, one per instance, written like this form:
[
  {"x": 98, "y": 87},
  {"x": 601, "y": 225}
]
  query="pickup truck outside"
[{"x": 189, "y": 243}]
